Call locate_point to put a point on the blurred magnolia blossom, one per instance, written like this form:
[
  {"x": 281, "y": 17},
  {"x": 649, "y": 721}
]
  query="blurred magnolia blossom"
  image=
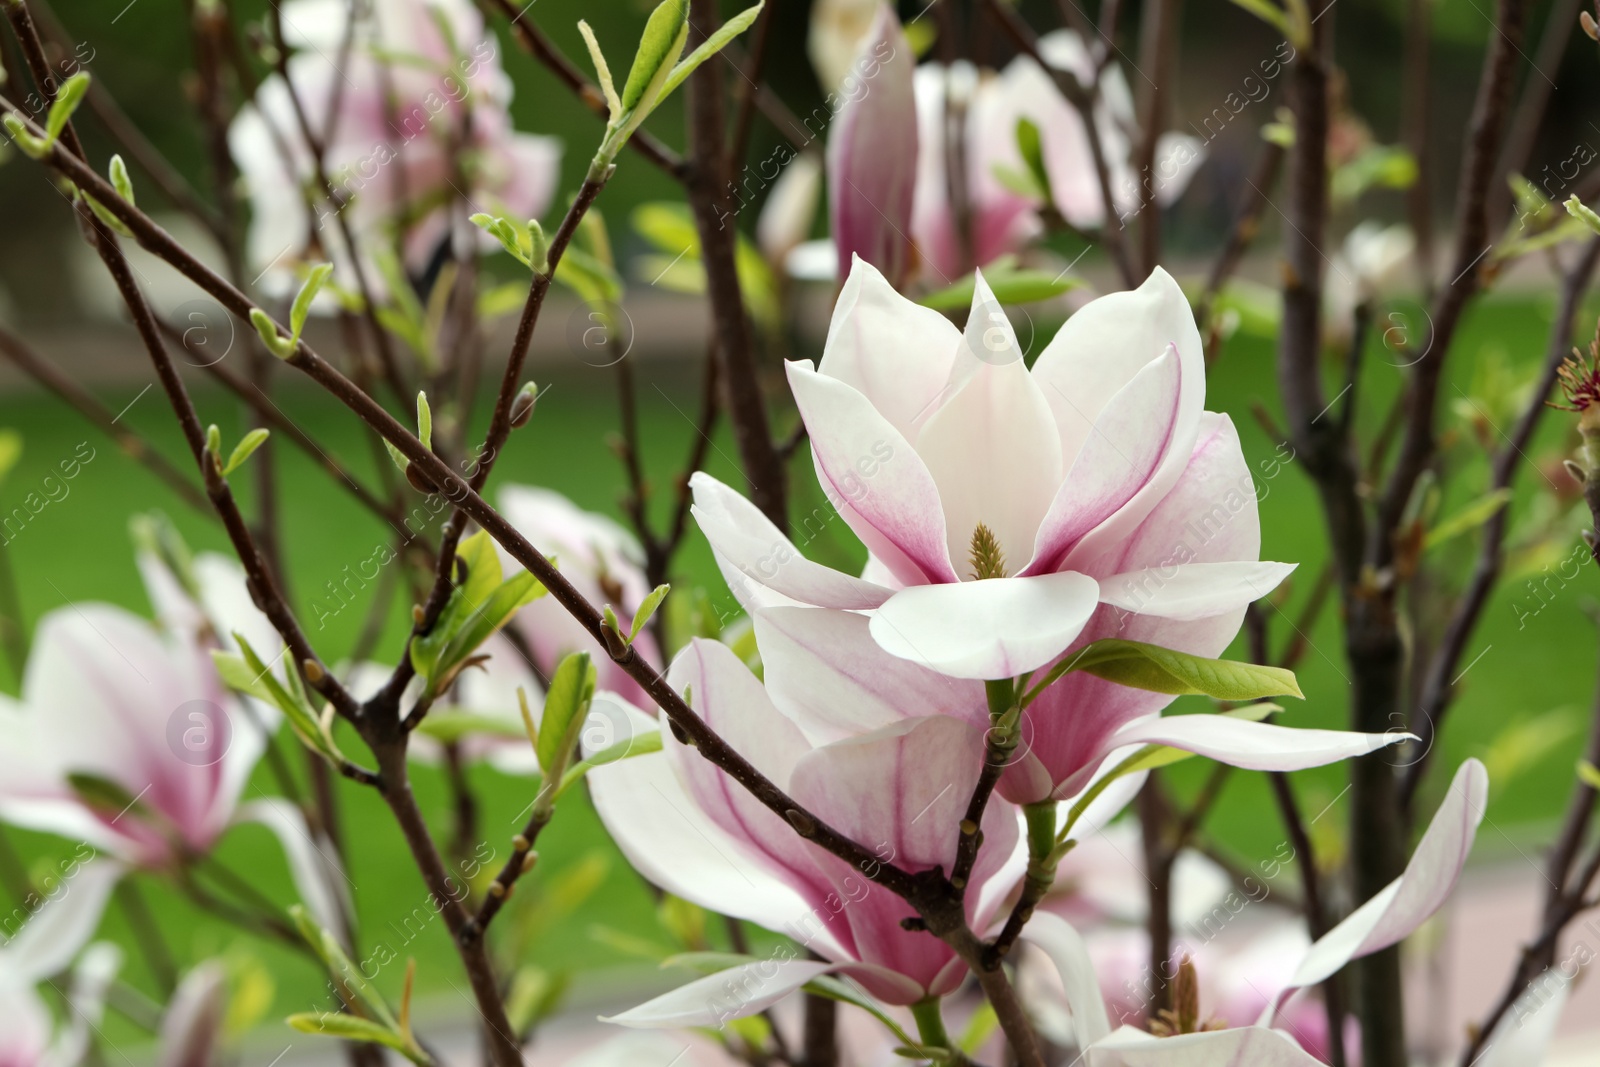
[
  {"x": 869, "y": 144},
  {"x": 29, "y": 1037},
  {"x": 1133, "y": 516},
  {"x": 409, "y": 106},
  {"x": 1374, "y": 262}
]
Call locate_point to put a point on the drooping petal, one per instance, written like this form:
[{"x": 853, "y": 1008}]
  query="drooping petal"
[
  {"x": 996, "y": 628},
  {"x": 1408, "y": 901},
  {"x": 823, "y": 670},
  {"x": 1255, "y": 746},
  {"x": 992, "y": 447},
  {"x": 873, "y": 477},
  {"x": 1064, "y": 946},
  {"x": 1187, "y": 592},
  {"x": 192, "y": 1026},
  {"x": 872, "y": 154},
  {"x": 754, "y": 552},
  {"x": 52, "y": 936},
  {"x": 720, "y": 998},
  {"x": 893, "y": 351},
  {"x": 318, "y": 875}
]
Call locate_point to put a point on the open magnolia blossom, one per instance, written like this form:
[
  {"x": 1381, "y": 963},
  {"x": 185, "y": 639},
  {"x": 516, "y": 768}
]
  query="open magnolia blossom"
[
  {"x": 901, "y": 792},
  {"x": 1389, "y": 917},
  {"x": 1095, "y": 494},
  {"x": 411, "y": 109},
  {"x": 602, "y": 560}
]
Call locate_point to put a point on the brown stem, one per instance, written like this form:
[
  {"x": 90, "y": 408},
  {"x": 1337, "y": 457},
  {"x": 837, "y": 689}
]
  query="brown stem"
[
  {"x": 1158, "y": 56},
  {"x": 1317, "y": 922},
  {"x": 707, "y": 186},
  {"x": 1417, "y": 98},
  {"x": 1438, "y": 686},
  {"x": 1246, "y": 225},
  {"x": 448, "y": 893},
  {"x": 820, "y": 1037}
]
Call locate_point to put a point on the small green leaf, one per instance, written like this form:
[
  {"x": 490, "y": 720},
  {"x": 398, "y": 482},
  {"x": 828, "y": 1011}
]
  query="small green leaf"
[
  {"x": 709, "y": 47},
  {"x": 105, "y": 216},
  {"x": 424, "y": 420},
  {"x": 642, "y": 745},
  {"x": 538, "y": 248},
  {"x": 1030, "y": 143},
  {"x": 276, "y": 343},
  {"x": 450, "y": 726},
  {"x": 656, "y": 49},
  {"x": 101, "y": 794},
  {"x": 120, "y": 181},
  {"x": 1164, "y": 670},
  {"x": 302, "y": 719},
  {"x": 398, "y": 456},
  {"x": 214, "y": 442},
  {"x": 10, "y": 451},
  {"x": 1010, "y": 286},
  {"x": 602, "y": 71},
  {"x": 504, "y": 232},
  {"x": 1589, "y": 774},
  {"x": 647, "y": 608},
  {"x": 246, "y": 446},
  {"x": 68, "y": 97},
  {"x": 355, "y": 1028},
  {"x": 1468, "y": 518},
  {"x": 1577, "y": 210},
  {"x": 565, "y": 706},
  {"x": 32, "y": 147},
  {"x": 308, "y": 292}
]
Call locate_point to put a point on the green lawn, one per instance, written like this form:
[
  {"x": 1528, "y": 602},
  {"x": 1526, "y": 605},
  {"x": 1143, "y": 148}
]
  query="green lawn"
[{"x": 77, "y": 549}]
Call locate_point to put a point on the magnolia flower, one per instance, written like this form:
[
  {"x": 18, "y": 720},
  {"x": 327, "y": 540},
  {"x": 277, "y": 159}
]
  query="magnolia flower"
[
  {"x": 1093, "y": 494},
  {"x": 872, "y": 154},
  {"x": 123, "y": 739},
  {"x": 837, "y": 29},
  {"x": 1389, "y": 917},
  {"x": 790, "y": 209},
  {"x": 1373, "y": 262},
  {"x": 601, "y": 559},
  {"x": 28, "y": 1035},
  {"x": 901, "y": 792},
  {"x": 411, "y": 107}
]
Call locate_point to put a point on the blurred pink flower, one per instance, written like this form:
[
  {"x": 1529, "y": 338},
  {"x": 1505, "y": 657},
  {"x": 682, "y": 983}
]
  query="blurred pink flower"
[
  {"x": 599, "y": 557},
  {"x": 872, "y": 154},
  {"x": 412, "y": 115}
]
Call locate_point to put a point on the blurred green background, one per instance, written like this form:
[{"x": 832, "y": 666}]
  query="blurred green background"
[{"x": 585, "y": 901}]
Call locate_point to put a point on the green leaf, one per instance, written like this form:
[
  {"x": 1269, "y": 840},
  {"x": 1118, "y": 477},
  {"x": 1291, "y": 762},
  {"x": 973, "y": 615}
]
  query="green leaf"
[
  {"x": 565, "y": 706},
  {"x": 1011, "y": 286},
  {"x": 1468, "y": 518},
  {"x": 101, "y": 794},
  {"x": 602, "y": 70},
  {"x": 668, "y": 226},
  {"x": 1267, "y": 12},
  {"x": 642, "y": 745},
  {"x": 709, "y": 47},
  {"x": 68, "y": 97},
  {"x": 246, "y": 446},
  {"x": 1030, "y": 143},
  {"x": 354, "y": 1028},
  {"x": 647, "y": 608},
  {"x": 32, "y": 147},
  {"x": 105, "y": 216},
  {"x": 294, "y": 706},
  {"x": 276, "y": 343},
  {"x": 1589, "y": 774},
  {"x": 452, "y": 725},
  {"x": 10, "y": 451},
  {"x": 659, "y": 47},
  {"x": 505, "y": 232},
  {"x": 120, "y": 181},
  {"x": 424, "y": 420},
  {"x": 1164, "y": 670},
  {"x": 214, "y": 441},
  {"x": 237, "y": 675},
  {"x": 1577, "y": 210},
  {"x": 308, "y": 293},
  {"x": 356, "y": 989}
]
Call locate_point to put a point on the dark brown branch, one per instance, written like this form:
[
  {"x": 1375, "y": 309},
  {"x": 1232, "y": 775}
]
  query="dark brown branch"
[
  {"x": 1532, "y": 105},
  {"x": 1246, "y": 225},
  {"x": 1485, "y": 134},
  {"x": 707, "y": 186},
  {"x": 1158, "y": 58},
  {"x": 1438, "y": 686}
]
